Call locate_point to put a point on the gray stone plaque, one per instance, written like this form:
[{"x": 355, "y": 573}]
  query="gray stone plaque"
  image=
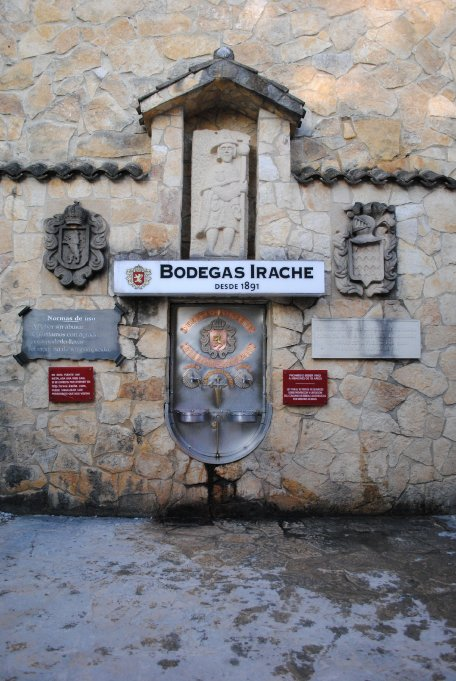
[
  {"x": 71, "y": 334},
  {"x": 366, "y": 339}
]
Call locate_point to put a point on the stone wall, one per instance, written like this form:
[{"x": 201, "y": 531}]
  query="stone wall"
[
  {"x": 377, "y": 77},
  {"x": 386, "y": 440},
  {"x": 378, "y": 81}
]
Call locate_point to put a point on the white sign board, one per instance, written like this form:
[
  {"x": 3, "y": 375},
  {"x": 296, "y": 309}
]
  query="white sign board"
[
  {"x": 219, "y": 278},
  {"x": 366, "y": 339}
]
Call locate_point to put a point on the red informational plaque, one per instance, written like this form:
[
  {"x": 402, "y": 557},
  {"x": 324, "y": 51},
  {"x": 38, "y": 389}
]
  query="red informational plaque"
[
  {"x": 305, "y": 388},
  {"x": 71, "y": 384}
]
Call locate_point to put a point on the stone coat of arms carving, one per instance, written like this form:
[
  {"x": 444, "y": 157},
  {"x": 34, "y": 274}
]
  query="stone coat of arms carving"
[
  {"x": 365, "y": 253},
  {"x": 74, "y": 242}
]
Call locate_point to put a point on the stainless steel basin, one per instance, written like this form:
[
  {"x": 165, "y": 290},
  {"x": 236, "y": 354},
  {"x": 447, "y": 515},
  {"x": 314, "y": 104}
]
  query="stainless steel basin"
[{"x": 191, "y": 415}]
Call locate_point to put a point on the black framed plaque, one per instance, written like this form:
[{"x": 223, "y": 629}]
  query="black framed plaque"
[{"x": 70, "y": 334}]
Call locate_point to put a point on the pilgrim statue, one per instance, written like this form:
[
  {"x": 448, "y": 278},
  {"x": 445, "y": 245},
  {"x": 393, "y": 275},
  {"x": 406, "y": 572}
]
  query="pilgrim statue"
[{"x": 219, "y": 194}]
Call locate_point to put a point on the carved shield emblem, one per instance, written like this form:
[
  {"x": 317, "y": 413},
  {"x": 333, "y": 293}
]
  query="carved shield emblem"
[
  {"x": 365, "y": 251},
  {"x": 74, "y": 242},
  {"x": 73, "y": 248},
  {"x": 366, "y": 259},
  {"x": 218, "y": 339}
]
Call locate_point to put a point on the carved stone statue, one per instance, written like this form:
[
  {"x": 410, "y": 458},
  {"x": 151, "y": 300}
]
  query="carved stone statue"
[
  {"x": 365, "y": 253},
  {"x": 74, "y": 241},
  {"x": 219, "y": 193}
]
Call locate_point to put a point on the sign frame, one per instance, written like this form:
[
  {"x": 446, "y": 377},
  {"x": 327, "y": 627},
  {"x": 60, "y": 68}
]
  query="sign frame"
[
  {"x": 234, "y": 278},
  {"x": 71, "y": 384},
  {"x": 305, "y": 387}
]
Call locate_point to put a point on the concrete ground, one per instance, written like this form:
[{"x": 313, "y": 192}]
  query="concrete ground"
[{"x": 109, "y": 599}]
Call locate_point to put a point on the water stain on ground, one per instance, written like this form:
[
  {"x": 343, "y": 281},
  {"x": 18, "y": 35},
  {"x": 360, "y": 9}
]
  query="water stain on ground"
[{"x": 323, "y": 599}]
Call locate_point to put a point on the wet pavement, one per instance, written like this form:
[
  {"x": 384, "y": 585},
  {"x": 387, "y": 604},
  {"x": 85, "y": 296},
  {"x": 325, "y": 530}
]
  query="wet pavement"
[{"x": 342, "y": 599}]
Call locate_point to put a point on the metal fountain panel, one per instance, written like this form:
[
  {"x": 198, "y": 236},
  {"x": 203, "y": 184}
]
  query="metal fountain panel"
[{"x": 217, "y": 410}]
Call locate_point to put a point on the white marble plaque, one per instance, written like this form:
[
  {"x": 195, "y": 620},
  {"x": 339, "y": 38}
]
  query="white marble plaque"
[{"x": 366, "y": 339}]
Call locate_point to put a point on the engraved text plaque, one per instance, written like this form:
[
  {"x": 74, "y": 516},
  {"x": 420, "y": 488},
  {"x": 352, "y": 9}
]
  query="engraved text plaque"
[
  {"x": 71, "y": 384},
  {"x": 366, "y": 339},
  {"x": 71, "y": 334},
  {"x": 304, "y": 388}
]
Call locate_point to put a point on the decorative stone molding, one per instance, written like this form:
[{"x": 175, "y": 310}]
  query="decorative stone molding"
[
  {"x": 74, "y": 242},
  {"x": 377, "y": 176},
  {"x": 66, "y": 172},
  {"x": 365, "y": 253}
]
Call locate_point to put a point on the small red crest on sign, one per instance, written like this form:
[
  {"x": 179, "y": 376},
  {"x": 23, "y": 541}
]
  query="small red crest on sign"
[{"x": 139, "y": 276}]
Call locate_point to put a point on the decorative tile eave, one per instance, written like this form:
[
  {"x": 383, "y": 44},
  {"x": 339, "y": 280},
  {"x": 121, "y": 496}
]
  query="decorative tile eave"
[
  {"x": 225, "y": 82},
  {"x": 67, "y": 172},
  {"x": 376, "y": 176}
]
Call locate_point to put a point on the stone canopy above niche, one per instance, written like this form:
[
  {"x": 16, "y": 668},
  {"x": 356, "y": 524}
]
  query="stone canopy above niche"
[
  {"x": 207, "y": 191},
  {"x": 222, "y": 82}
]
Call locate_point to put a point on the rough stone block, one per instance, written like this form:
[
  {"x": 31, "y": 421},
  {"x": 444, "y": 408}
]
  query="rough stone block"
[
  {"x": 412, "y": 414},
  {"x": 153, "y": 343},
  {"x": 385, "y": 396},
  {"x": 439, "y": 207},
  {"x": 381, "y": 136},
  {"x": 114, "y": 439},
  {"x": 339, "y": 412},
  {"x": 146, "y": 417},
  {"x": 355, "y": 388},
  {"x": 428, "y": 381},
  {"x": 115, "y": 411},
  {"x": 17, "y": 77},
  {"x": 74, "y": 426}
]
